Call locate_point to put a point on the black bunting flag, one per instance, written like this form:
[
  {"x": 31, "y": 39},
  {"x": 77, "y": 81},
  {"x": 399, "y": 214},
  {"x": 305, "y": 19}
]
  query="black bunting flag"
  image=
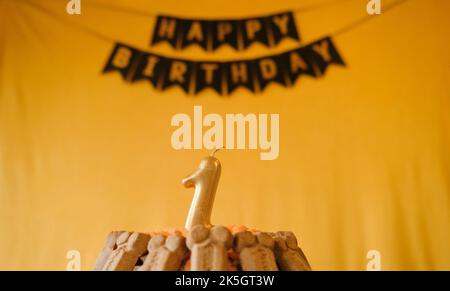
[
  {"x": 152, "y": 68},
  {"x": 179, "y": 73},
  {"x": 323, "y": 53},
  {"x": 238, "y": 74},
  {"x": 254, "y": 30},
  {"x": 167, "y": 29},
  {"x": 224, "y": 33},
  {"x": 282, "y": 25},
  {"x": 224, "y": 77},
  {"x": 236, "y": 33},
  {"x": 268, "y": 70},
  {"x": 122, "y": 59},
  {"x": 209, "y": 75},
  {"x": 194, "y": 32},
  {"x": 298, "y": 63}
]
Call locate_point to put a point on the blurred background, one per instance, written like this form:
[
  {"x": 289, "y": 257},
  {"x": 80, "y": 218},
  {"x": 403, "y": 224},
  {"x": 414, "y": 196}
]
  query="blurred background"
[{"x": 364, "y": 151}]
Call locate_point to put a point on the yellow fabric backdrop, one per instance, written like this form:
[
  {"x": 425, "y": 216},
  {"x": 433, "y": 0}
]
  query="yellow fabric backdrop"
[{"x": 364, "y": 151}]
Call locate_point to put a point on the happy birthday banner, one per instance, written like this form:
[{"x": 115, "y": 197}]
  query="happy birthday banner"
[
  {"x": 223, "y": 77},
  {"x": 212, "y": 34}
]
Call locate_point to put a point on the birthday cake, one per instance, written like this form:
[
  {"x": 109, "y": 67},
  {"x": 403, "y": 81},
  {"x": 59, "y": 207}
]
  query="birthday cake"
[{"x": 201, "y": 246}]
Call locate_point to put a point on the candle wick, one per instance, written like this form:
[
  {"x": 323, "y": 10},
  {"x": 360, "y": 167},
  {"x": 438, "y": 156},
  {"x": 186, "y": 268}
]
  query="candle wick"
[{"x": 216, "y": 150}]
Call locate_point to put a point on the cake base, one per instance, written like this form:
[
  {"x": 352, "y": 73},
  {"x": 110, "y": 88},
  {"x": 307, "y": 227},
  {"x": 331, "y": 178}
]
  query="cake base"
[{"x": 216, "y": 248}]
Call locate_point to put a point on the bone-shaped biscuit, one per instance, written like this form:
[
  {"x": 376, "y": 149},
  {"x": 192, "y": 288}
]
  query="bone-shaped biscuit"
[
  {"x": 255, "y": 251},
  {"x": 209, "y": 248},
  {"x": 129, "y": 248},
  {"x": 110, "y": 246},
  {"x": 164, "y": 254},
  {"x": 141, "y": 260},
  {"x": 289, "y": 256}
]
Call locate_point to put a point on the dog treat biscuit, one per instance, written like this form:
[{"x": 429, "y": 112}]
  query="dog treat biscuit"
[
  {"x": 209, "y": 248},
  {"x": 110, "y": 246},
  {"x": 130, "y": 246},
  {"x": 288, "y": 255},
  {"x": 255, "y": 251},
  {"x": 164, "y": 253}
]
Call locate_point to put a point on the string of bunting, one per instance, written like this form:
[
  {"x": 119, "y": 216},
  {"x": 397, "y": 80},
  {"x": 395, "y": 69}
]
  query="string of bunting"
[
  {"x": 212, "y": 34},
  {"x": 223, "y": 77},
  {"x": 192, "y": 77}
]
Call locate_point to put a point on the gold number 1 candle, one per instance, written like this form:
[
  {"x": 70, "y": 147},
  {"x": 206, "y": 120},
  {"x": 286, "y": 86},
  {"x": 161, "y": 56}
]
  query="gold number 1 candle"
[{"x": 205, "y": 180}]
